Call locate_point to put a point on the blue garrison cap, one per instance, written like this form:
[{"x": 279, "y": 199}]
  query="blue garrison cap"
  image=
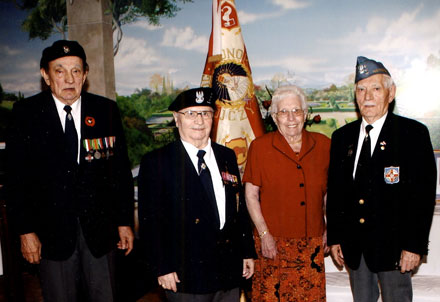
[
  {"x": 203, "y": 96},
  {"x": 366, "y": 68}
]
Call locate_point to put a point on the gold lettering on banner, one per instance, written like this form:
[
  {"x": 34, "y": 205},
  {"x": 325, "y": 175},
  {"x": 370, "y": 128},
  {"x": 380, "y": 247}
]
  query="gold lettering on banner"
[
  {"x": 233, "y": 115},
  {"x": 222, "y": 115},
  {"x": 232, "y": 53}
]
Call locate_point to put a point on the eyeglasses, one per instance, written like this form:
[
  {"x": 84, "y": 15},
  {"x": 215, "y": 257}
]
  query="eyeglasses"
[
  {"x": 285, "y": 112},
  {"x": 192, "y": 115}
]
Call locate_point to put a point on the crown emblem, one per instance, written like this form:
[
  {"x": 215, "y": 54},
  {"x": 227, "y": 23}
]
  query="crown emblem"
[
  {"x": 199, "y": 97},
  {"x": 66, "y": 49}
]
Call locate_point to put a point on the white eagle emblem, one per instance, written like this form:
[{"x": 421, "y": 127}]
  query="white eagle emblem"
[
  {"x": 363, "y": 69},
  {"x": 199, "y": 97}
]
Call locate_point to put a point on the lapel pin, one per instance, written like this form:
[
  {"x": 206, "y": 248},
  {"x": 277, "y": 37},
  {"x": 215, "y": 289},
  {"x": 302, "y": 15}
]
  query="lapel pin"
[
  {"x": 90, "y": 121},
  {"x": 382, "y": 145},
  {"x": 350, "y": 151}
]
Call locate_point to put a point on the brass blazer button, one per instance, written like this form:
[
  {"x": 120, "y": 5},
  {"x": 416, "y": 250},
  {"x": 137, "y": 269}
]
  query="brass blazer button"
[
  {"x": 197, "y": 221},
  {"x": 361, "y": 201},
  {"x": 362, "y": 220}
]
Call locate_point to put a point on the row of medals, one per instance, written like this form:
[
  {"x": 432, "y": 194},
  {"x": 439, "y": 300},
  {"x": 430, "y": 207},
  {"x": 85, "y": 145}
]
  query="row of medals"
[{"x": 99, "y": 148}]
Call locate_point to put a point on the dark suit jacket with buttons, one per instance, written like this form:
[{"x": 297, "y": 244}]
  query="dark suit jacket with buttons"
[
  {"x": 178, "y": 224},
  {"x": 48, "y": 195},
  {"x": 393, "y": 216}
]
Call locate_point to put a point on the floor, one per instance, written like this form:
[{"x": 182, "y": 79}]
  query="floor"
[{"x": 32, "y": 292}]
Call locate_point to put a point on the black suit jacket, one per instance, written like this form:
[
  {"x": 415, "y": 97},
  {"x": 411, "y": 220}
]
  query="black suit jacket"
[
  {"x": 178, "y": 225},
  {"x": 47, "y": 194},
  {"x": 397, "y": 216}
]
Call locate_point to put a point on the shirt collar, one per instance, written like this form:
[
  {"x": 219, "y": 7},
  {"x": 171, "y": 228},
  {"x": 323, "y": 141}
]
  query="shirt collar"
[
  {"x": 377, "y": 125},
  {"x": 192, "y": 150},
  {"x": 60, "y": 105}
]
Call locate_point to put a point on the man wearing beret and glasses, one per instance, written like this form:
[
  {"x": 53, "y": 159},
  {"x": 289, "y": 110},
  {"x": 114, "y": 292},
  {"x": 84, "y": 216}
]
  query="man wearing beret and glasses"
[
  {"x": 70, "y": 189},
  {"x": 381, "y": 192},
  {"x": 192, "y": 217}
]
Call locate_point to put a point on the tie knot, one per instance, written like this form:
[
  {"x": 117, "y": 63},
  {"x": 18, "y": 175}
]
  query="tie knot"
[
  {"x": 201, "y": 154},
  {"x": 368, "y": 128},
  {"x": 68, "y": 109}
]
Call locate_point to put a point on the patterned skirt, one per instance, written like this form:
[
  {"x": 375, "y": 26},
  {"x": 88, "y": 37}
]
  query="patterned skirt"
[{"x": 296, "y": 275}]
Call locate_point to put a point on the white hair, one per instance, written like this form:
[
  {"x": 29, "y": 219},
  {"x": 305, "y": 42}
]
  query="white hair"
[
  {"x": 388, "y": 81},
  {"x": 287, "y": 91}
]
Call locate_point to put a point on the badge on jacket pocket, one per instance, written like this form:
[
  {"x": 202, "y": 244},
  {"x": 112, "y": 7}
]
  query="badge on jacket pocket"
[{"x": 392, "y": 175}]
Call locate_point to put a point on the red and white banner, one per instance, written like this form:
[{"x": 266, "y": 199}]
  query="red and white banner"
[{"x": 238, "y": 119}]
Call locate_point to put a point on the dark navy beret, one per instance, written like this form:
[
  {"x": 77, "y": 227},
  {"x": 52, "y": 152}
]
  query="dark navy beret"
[
  {"x": 203, "y": 96},
  {"x": 366, "y": 68},
  {"x": 62, "y": 48}
]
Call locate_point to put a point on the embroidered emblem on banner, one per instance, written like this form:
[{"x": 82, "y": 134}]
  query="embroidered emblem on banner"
[{"x": 392, "y": 175}]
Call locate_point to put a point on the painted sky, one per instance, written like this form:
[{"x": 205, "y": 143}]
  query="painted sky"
[{"x": 313, "y": 42}]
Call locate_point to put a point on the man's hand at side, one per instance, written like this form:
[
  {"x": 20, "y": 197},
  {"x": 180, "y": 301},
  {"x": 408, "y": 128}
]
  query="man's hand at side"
[
  {"x": 408, "y": 261},
  {"x": 31, "y": 247},
  {"x": 169, "y": 281},
  {"x": 248, "y": 268},
  {"x": 336, "y": 252},
  {"x": 126, "y": 237}
]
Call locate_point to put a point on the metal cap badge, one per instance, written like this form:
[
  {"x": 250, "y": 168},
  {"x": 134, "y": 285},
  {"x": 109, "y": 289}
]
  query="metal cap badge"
[{"x": 203, "y": 96}]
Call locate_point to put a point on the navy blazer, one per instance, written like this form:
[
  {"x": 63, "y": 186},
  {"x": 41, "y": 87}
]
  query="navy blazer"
[
  {"x": 178, "y": 225},
  {"x": 396, "y": 213},
  {"x": 48, "y": 195}
]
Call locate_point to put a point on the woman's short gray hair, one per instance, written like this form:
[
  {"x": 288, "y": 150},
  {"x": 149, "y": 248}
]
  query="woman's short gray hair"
[{"x": 287, "y": 91}]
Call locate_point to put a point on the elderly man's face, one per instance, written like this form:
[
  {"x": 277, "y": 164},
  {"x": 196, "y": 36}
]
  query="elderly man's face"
[
  {"x": 194, "y": 131},
  {"x": 65, "y": 77},
  {"x": 373, "y": 98}
]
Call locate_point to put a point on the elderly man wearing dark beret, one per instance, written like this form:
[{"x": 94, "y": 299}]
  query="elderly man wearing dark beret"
[
  {"x": 192, "y": 216},
  {"x": 381, "y": 192},
  {"x": 70, "y": 190}
]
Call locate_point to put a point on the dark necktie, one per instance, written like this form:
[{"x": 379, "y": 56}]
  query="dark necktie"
[
  {"x": 71, "y": 135},
  {"x": 364, "y": 158},
  {"x": 205, "y": 178}
]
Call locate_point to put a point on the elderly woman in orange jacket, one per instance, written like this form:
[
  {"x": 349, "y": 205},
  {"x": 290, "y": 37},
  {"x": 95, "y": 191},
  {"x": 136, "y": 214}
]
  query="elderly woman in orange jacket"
[{"x": 286, "y": 184}]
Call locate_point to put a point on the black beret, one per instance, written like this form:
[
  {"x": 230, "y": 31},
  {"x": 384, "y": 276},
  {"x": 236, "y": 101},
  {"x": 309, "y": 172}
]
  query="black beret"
[
  {"x": 366, "y": 68},
  {"x": 203, "y": 96},
  {"x": 62, "y": 48}
]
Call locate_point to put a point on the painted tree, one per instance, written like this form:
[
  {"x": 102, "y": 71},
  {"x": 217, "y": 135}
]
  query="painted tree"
[
  {"x": 155, "y": 81},
  {"x": 48, "y": 17}
]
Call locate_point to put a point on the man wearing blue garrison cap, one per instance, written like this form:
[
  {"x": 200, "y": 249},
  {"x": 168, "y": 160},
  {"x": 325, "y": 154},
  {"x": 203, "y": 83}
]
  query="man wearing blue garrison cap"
[{"x": 381, "y": 191}]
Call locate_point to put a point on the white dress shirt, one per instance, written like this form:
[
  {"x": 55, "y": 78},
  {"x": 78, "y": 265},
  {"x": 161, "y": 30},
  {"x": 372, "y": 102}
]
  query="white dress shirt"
[
  {"x": 374, "y": 136},
  {"x": 217, "y": 182},
  {"x": 76, "y": 114}
]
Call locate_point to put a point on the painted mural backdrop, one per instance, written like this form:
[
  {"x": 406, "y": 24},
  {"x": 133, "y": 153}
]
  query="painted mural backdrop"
[{"x": 310, "y": 43}]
